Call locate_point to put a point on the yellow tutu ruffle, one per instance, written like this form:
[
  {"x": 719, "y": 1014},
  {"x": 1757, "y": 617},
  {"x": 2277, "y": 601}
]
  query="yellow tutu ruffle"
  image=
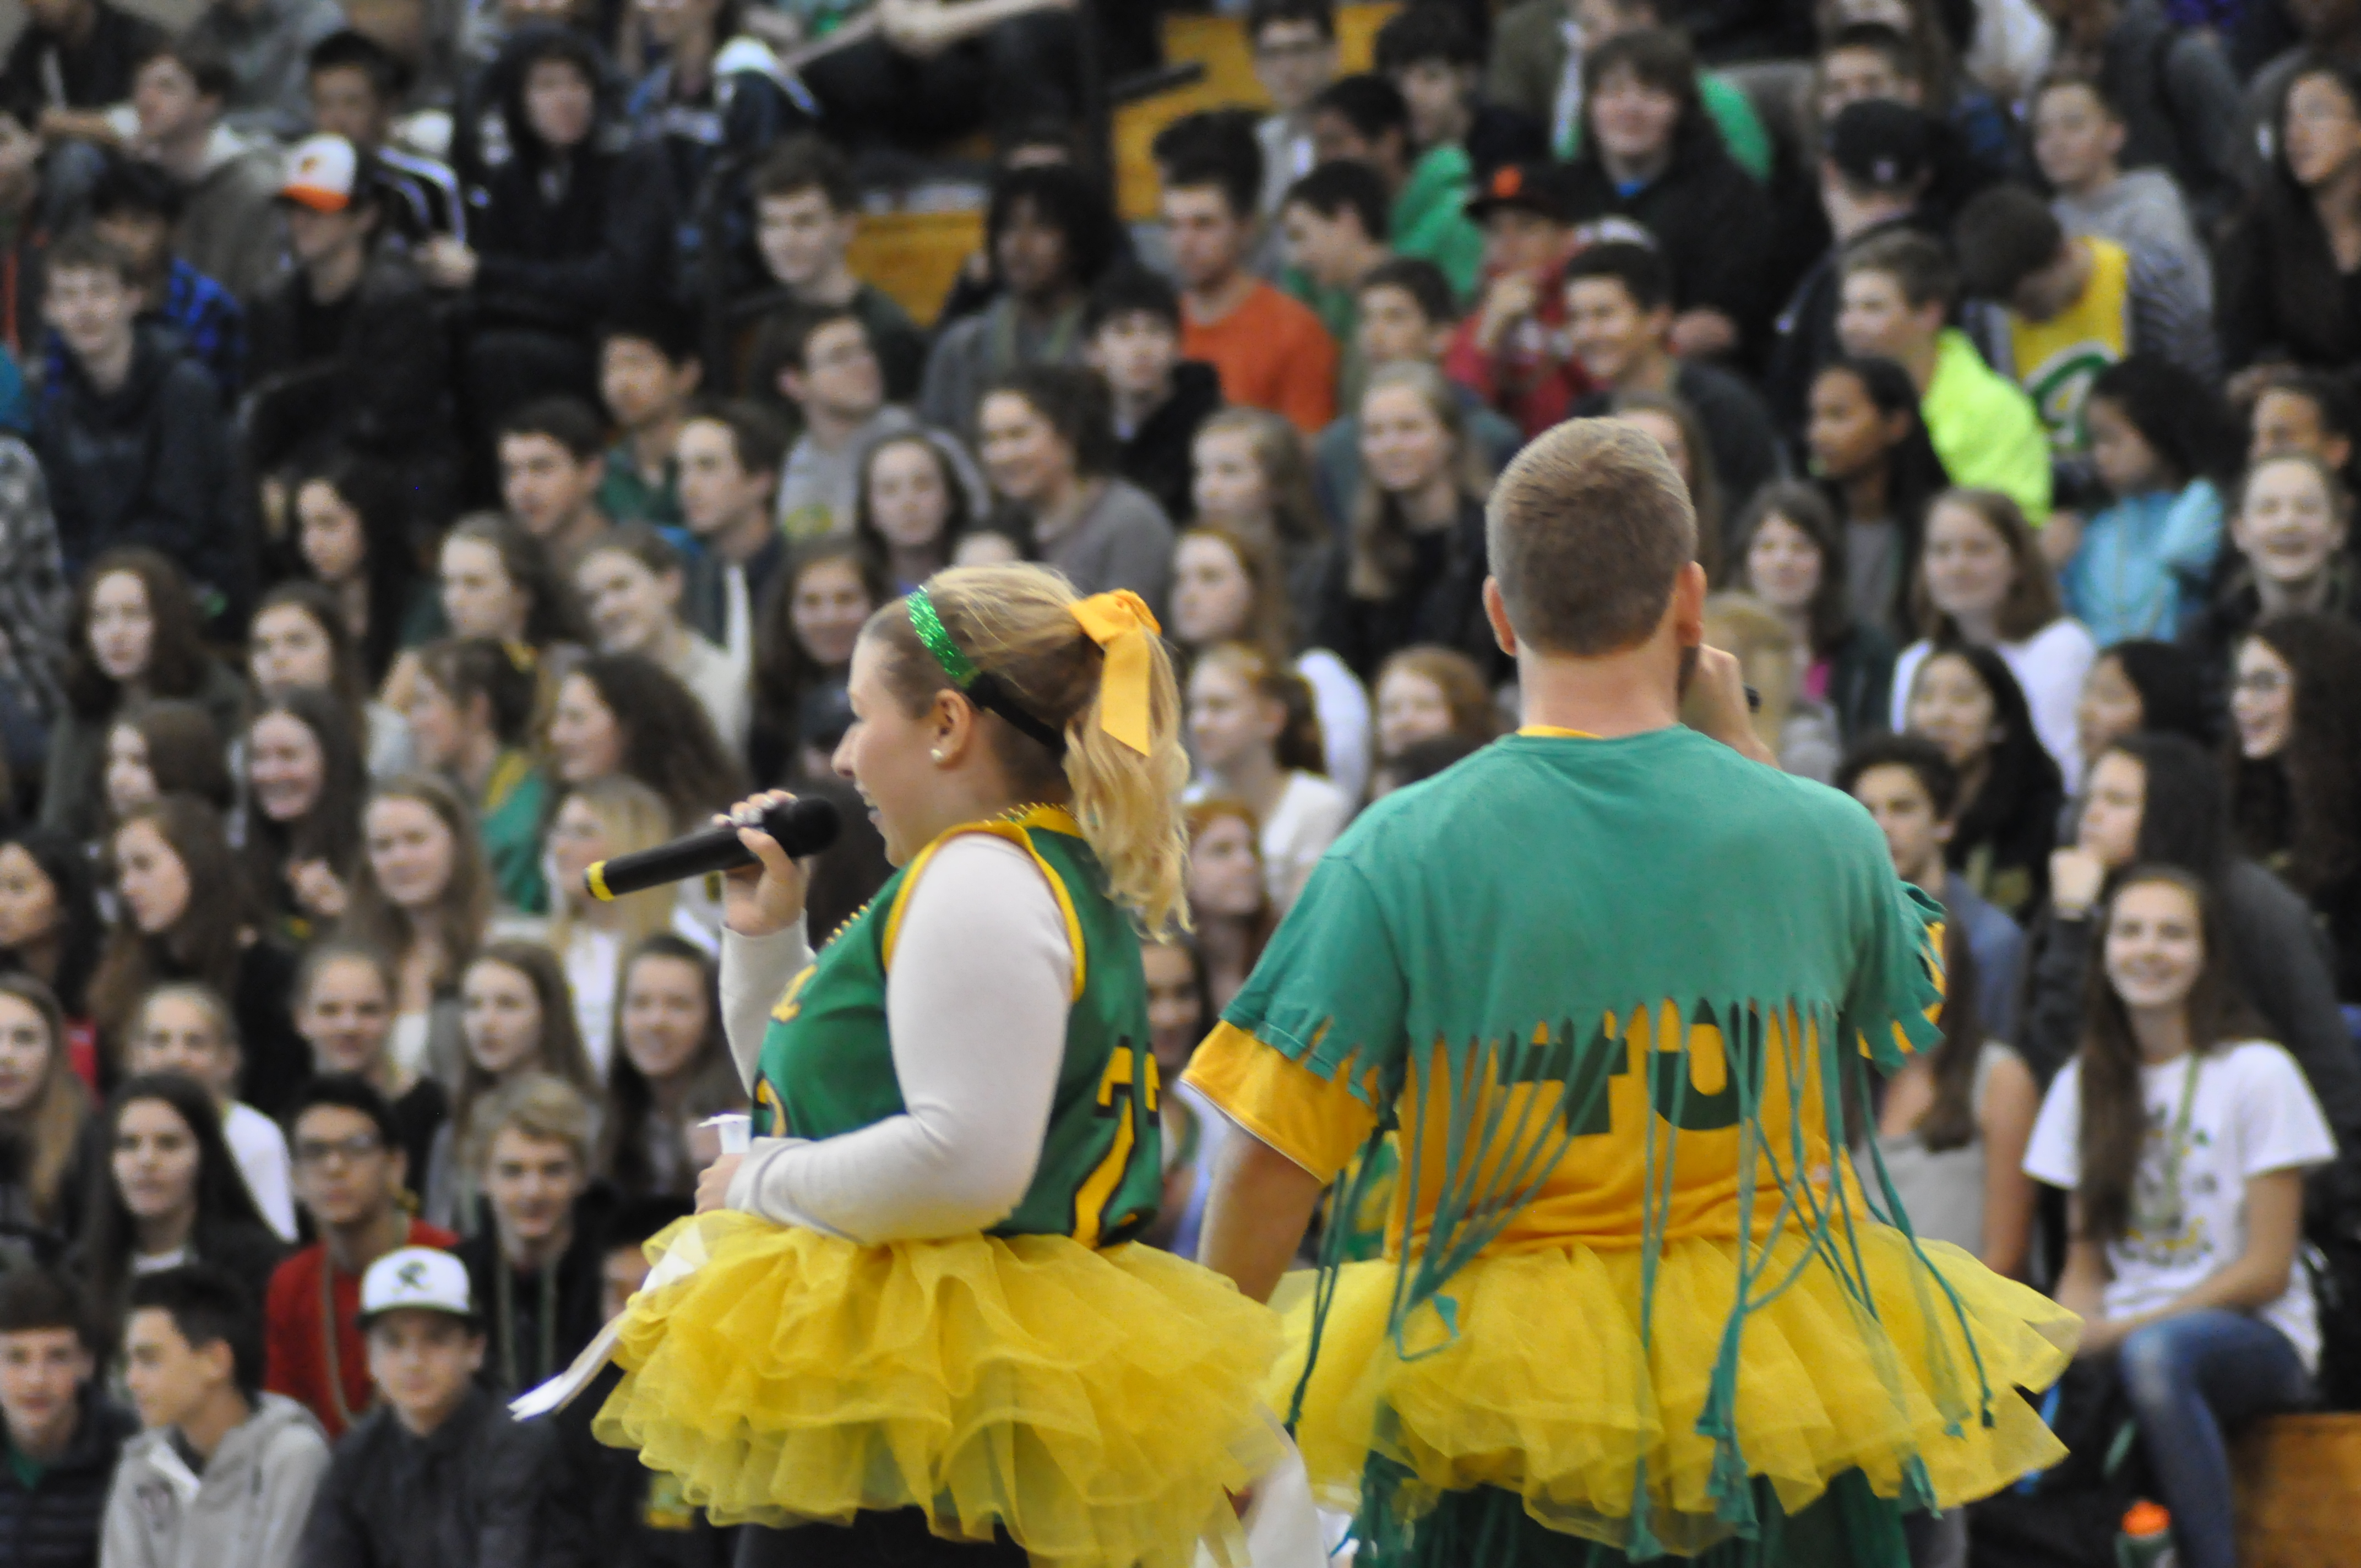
[
  {"x": 1095, "y": 1404},
  {"x": 1545, "y": 1389}
]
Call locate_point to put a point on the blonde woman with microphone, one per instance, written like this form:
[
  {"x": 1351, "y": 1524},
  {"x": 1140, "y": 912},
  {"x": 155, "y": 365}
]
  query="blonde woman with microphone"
[{"x": 921, "y": 1317}]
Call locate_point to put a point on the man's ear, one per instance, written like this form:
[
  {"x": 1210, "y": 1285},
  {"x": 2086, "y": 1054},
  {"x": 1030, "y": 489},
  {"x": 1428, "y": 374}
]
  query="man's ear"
[
  {"x": 1944, "y": 829},
  {"x": 1686, "y": 611},
  {"x": 1495, "y": 610}
]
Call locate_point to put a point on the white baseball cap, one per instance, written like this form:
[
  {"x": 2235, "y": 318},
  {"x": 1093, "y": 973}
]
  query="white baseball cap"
[
  {"x": 416, "y": 1279},
  {"x": 323, "y": 173}
]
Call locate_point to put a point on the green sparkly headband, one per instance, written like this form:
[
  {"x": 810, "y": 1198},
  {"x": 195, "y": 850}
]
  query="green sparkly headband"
[{"x": 981, "y": 688}]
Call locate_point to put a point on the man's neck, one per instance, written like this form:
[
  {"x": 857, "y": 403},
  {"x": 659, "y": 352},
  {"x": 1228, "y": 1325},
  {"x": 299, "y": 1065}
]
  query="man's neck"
[
  {"x": 352, "y": 1249},
  {"x": 1852, "y": 216},
  {"x": 1650, "y": 370},
  {"x": 1132, "y": 409},
  {"x": 1214, "y": 299},
  {"x": 833, "y": 430},
  {"x": 182, "y": 155},
  {"x": 426, "y": 1423},
  {"x": 581, "y": 526},
  {"x": 337, "y": 274},
  {"x": 1629, "y": 693},
  {"x": 530, "y": 1255},
  {"x": 652, "y": 445},
  {"x": 225, "y": 1410},
  {"x": 49, "y": 1443},
  {"x": 836, "y": 285},
  {"x": 2096, "y": 184},
  {"x": 108, "y": 367},
  {"x": 1865, "y": 495},
  {"x": 740, "y": 541},
  {"x": 1933, "y": 879},
  {"x": 1919, "y": 360}
]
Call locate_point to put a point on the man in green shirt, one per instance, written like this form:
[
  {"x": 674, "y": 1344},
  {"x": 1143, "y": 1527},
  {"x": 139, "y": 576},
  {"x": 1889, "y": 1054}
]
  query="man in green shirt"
[
  {"x": 1366, "y": 119},
  {"x": 648, "y": 369},
  {"x": 1536, "y": 69}
]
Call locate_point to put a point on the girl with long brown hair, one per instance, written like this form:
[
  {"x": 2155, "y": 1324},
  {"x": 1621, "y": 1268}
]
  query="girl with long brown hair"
[
  {"x": 1258, "y": 739},
  {"x": 1229, "y": 895},
  {"x": 471, "y": 718},
  {"x": 45, "y": 1127},
  {"x": 1253, "y": 477},
  {"x": 2183, "y": 1142},
  {"x": 424, "y": 895},
  {"x": 671, "y": 1068},
  {"x": 305, "y": 779},
  {"x": 594, "y": 822},
  {"x": 516, "y": 1020}
]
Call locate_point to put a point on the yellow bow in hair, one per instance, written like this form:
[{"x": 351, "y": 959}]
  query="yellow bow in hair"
[{"x": 1121, "y": 623}]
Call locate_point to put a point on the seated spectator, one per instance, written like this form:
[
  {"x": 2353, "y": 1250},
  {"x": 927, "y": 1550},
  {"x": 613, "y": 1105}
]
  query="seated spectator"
[
  {"x": 1158, "y": 399},
  {"x": 471, "y": 711},
  {"x": 631, "y": 584},
  {"x": 344, "y": 1004},
  {"x": 1618, "y": 315},
  {"x": 1052, "y": 235},
  {"x": 1798, "y": 728},
  {"x": 1269, "y": 351},
  {"x": 1366, "y": 119},
  {"x": 1511, "y": 350},
  {"x": 1256, "y": 740},
  {"x": 164, "y": 748},
  {"x": 804, "y": 644},
  {"x": 673, "y": 1072},
  {"x": 2220, "y": 1326},
  {"x": 1982, "y": 580},
  {"x": 133, "y": 444},
  {"x": 350, "y": 1170},
  {"x": 1423, "y": 692},
  {"x": 50, "y": 930},
  {"x": 2178, "y": 98},
  {"x": 351, "y": 537},
  {"x": 423, "y": 897},
  {"x": 594, "y": 822},
  {"x": 266, "y": 45},
  {"x": 1536, "y": 69},
  {"x": 728, "y": 462},
  {"x": 438, "y": 1472},
  {"x": 347, "y": 350},
  {"x": 186, "y": 917},
  {"x": 193, "y": 1358},
  {"x": 618, "y": 713},
  {"x": 45, "y": 1126},
  {"x": 1049, "y": 449},
  {"x": 1227, "y": 589},
  {"x": 1402, "y": 311},
  {"x": 187, "y": 1029},
  {"x": 564, "y": 228},
  {"x": 1674, "y": 426},
  {"x": 1251, "y": 479},
  {"x": 134, "y": 630},
  {"x": 1877, "y": 54},
  {"x": 1413, "y": 568},
  {"x": 648, "y": 370},
  {"x": 517, "y": 1023},
  {"x": 2140, "y": 685},
  {"x": 1964, "y": 698},
  {"x": 356, "y": 86},
  {"x": 171, "y": 1196},
  {"x": 2159, "y": 442},
  {"x": 911, "y": 509},
  {"x": 2281, "y": 290},
  {"x": 301, "y": 827},
  {"x": 537, "y": 1263},
  {"x": 60, "y": 1432},
  {"x": 1898, "y": 289},
  {"x": 2158, "y": 800},
  {"x": 134, "y": 207},
  {"x": 553, "y": 466},
  {"x": 1437, "y": 62},
  {"x": 2072, "y": 304},
  {"x": 806, "y": 211},
  {"x": 496, "y": 581},
  {"x": 2303, "y": 410},
  {"x": 1334, "y": 224},
  {"x": 1294, "y": 44},
  {"x": 300, "y": 642},
  {"x": 2292, "y": 530},
  {"x": 1229, "y": 897},
  {"x": 72, "y": 62},
  {"x": 228, "y": 228},
  {"x": 823, "y": 363},
  {"x": 2078, "y": 143},
  {"x": 1909, "y": 786},
  {"x": 2293, "y": 700},
  {"x": 1650, "y": 155},
  {"x": 1788, "y": 552},
  {"x": 1870, "y": 450}
]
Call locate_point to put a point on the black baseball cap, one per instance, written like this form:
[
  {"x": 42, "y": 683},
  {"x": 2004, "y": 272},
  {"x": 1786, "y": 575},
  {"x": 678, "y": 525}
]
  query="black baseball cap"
[
  {"x": 1882, "y": 144},
  {"x": 1539, "y": 188}
]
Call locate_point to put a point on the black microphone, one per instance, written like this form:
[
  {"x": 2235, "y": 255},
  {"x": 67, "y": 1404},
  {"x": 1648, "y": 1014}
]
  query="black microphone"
[{"x": 805, "y": 826}]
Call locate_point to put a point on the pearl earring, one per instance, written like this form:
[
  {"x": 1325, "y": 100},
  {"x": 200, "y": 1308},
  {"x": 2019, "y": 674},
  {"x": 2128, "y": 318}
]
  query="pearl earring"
[{"x": 937, "y": 753}]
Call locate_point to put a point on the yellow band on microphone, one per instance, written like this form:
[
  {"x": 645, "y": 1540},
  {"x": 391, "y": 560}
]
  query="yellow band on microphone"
[{"x": 594, "y": 877}]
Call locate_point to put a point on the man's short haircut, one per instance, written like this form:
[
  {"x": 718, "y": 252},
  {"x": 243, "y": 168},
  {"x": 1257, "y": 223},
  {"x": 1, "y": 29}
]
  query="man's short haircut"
[
  {"x": 1588, "y": 529},
  {"x": 34, "y": 1300},
  {"x": 347, "y": 1091},
  {"x": 541, "y": 1106},
  {"x": 784, "y": 342},
  {"x": 1921, "y": 756},
  {"x": 1216, "y": 147},
  {"x": 2063, "y": 78},
  {"x": 82, "y": 251},
  {"x": 1639, "y": 267},
  {"x": 2331, "y": 395},
  {"x": 1346, "y": 185},
  {"x": 1261, "y": 14},
  {"x": 348, "y": 49},
  {"x": 1421, "y": 279},
  {"x": 1657, "y": 58},
  {"x": 805, "y": 162},
  {"x": 2004, "y": 236},
  {"x": 667, "y": 328},
  {"x": 570, "y": 421},
  {"x": 1889, "y": 43},
  {"x": 1917, "y": 264},
  {"x": 1426, "y": 30},
  {"x": 130, "y": 187},
  {"x": 208, "y": 1305},
  {"x": 1131, "y": 289},
  {"x": 755, "y": 433},
  {"x": 206, "y": 65},
  {"x": 1368, "y": 103}
]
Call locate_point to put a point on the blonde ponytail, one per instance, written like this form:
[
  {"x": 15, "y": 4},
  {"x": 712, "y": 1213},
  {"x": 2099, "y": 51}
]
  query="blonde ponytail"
[{"x": 1018, "y": 625}]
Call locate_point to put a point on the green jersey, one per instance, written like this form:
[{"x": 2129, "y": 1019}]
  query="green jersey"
[{"x": 827, "y": 1063}]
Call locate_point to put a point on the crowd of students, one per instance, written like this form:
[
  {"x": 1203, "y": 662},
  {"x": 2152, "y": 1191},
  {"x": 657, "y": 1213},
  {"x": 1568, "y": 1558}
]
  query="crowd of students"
[{"x": 437, "y": 456}]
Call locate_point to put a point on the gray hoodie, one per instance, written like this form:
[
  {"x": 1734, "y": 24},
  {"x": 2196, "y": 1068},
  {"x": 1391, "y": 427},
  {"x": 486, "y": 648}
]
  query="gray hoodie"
[{"x": 248, "y": 1508}]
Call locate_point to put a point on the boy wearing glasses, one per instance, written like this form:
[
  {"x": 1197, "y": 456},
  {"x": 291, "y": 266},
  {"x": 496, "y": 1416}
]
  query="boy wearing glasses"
[{"x": 349, "y": 1175}]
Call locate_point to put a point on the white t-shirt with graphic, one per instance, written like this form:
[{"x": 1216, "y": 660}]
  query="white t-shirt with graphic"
[{"x": 2250, "y": 1112}]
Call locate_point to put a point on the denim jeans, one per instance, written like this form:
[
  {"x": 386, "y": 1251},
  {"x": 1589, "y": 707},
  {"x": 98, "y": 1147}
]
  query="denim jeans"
[{"x": 2189, "y": 1378}]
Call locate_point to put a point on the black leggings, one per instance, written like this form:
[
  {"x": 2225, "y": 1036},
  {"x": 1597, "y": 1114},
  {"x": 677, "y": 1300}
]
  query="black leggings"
[{"x": 897, "y": 1540}]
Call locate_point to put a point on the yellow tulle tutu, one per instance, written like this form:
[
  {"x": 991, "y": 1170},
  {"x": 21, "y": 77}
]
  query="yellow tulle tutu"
[
  {"x": 1546, "y": 1390},
  {"x": 1095, "y": 1404}
]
